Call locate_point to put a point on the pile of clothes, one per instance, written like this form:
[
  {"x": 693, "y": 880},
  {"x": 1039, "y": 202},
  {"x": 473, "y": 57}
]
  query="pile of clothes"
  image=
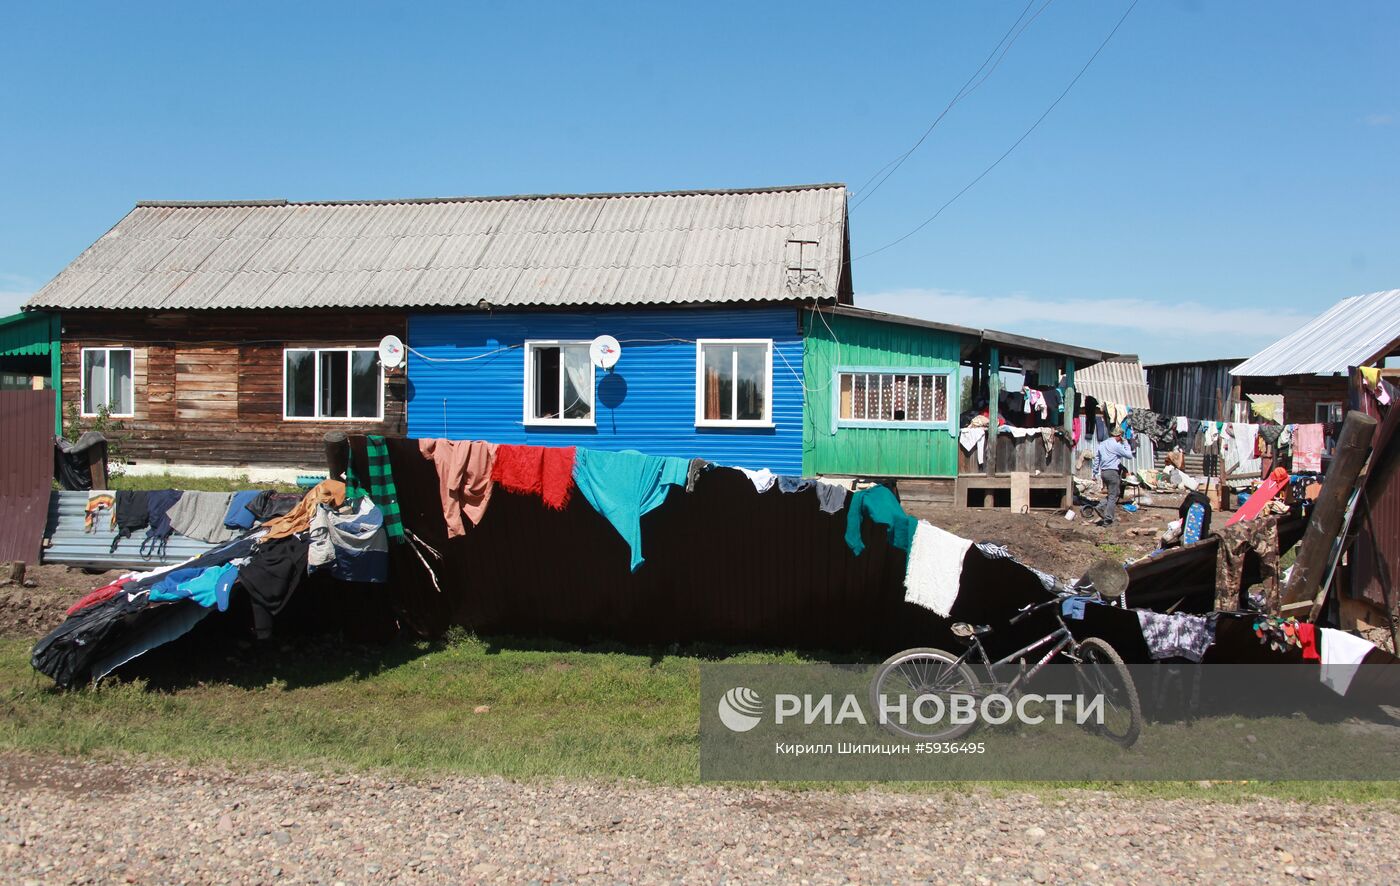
[{"x": 266, "y": 543}]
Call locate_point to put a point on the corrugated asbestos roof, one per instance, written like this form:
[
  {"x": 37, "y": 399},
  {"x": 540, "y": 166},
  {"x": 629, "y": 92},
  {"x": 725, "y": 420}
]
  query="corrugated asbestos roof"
[
  {"x": 1117, "y": 380},
  {"x": 680, "y": 247},
  {"x": 1355, "y": 332}
]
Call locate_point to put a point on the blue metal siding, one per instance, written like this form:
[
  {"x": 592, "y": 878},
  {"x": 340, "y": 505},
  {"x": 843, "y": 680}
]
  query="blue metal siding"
[{"x": 647, "y": 402}]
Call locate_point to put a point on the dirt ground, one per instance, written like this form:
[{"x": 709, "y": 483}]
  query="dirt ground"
[
  {"x": 32, "y": 612},
  {"x": 1049, "y": 542}
]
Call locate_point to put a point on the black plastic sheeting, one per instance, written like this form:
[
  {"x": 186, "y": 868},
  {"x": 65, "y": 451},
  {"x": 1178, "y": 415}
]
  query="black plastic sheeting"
[{"x": 724, "y": 564}]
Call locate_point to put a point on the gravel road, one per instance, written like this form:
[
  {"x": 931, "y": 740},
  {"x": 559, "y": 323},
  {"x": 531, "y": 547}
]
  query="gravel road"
[{"x": 67, "y": 821}]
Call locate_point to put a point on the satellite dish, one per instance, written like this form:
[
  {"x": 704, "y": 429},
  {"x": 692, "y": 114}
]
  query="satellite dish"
[
  {"x": 604, "y": 351},
  {"x": 391, "y": 351}
]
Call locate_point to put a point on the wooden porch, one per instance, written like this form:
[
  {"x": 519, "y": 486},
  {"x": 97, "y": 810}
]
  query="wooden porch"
[{"x": 1018, "y": 474}]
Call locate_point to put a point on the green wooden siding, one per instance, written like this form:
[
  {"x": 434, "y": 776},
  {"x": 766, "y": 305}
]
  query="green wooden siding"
[{"x": 865, "y": 343}]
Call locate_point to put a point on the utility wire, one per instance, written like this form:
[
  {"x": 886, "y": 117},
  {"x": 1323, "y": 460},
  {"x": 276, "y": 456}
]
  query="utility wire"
[
  {"x": 1025, "y": 135},
  {"x": 967, "y": 89}
]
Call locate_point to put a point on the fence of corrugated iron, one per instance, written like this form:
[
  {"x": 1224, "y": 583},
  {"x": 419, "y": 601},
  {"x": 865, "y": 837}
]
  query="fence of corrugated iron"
[
  {"x": 723, "y": 564},
  {"x": 71, "y": 544},
  {"x": 1375, "y": 558},
  {"x": 1199, "y": 391},
  {"x": 26, "y": 471}
]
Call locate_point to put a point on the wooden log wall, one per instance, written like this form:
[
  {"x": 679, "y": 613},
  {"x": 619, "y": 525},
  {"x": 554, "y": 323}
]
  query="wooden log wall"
[{"x": 208, "y": 385}]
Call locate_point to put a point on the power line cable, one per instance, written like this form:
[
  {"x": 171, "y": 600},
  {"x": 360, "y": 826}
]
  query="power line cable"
[{"x": 1025, "y": 135}]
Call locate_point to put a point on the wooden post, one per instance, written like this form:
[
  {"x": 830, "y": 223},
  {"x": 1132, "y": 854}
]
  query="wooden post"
[
  {"x": 97, "y": 465},
  {"x": 1315, "y": 550},
  {"x": 56, "y": 371},
  {"x": 337, "y": 454},
  {"x": 993, "y": 406}
]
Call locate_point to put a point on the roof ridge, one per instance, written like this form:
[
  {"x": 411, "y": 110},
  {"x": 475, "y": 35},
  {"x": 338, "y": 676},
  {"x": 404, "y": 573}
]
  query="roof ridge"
[{"x": 699, "y": 192}]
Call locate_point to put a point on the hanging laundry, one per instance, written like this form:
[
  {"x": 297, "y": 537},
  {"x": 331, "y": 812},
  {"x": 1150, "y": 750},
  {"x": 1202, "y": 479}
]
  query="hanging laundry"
[
  {"x": 1100, "y": 429},
  {"x": 209, "y": 587},
  {"x": 1341, "y": 655},
  {"x": 1176, "y": 635},
  {"x": 381, "y": 489},
  {"x": 298, "y": 519},
  {"x": 1259, "y": 535},
  {"x": 96, "y": 504},
  {"x": 1307, "y": 639},
  {"x": 1182, "y": 425},
  {"x": 973, "y": 438},
  {"x": 201, "y": 515},
  {"x": 762, "y": 479},
  {"x": 1047, "y": 439},
  {"x": 1036, "y": 400},
  {"x": 159, "y": 504},
  {"x": 1307, "y": 448},
  {"x": 464, "y": 470},
  {"x": 354, "y": 546},
  {"x": 133, "y": 512},
  {"x": 543, "y": 471},
  {"x": 1078, "y": 426},
  {"x": 698, "y": 466},
  {"x": 101, "y": 595},
  {"x": 238, "y": 516},
  {"x": 933, "y": 571},
  {"x": 268, "y": 505},
  {"x": 1212, "y": 434},
  {"x": 788, "y": 485},
  {"x": 831, "y": 497},
  {"x": 880, "y": 505},
  {"x": 624, "y": 486},
  {"x": 1194, "y": 523},
  {"x": 272, "y": 575},
  {"x": 1278, "y": 634}
]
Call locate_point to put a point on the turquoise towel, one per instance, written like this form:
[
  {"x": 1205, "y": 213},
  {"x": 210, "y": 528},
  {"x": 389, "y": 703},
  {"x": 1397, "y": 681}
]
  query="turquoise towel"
[
  {"x": 622, "y": 486},
  {"x": 879, "y": 504}
]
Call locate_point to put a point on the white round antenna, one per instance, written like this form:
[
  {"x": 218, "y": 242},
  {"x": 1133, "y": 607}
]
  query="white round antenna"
[
  {"x": 604, "y": 351},
  {"x": 391, "y": 351}
]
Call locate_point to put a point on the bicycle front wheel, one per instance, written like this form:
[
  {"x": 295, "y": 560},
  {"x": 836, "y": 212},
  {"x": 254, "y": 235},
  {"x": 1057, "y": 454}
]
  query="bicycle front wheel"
[
  {"x": 1102, "y": 672},
  {"x": 913, "y": 673}
]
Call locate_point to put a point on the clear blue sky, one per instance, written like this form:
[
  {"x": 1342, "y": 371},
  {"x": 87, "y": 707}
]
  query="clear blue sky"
[{"x": 1221, "y": 172}]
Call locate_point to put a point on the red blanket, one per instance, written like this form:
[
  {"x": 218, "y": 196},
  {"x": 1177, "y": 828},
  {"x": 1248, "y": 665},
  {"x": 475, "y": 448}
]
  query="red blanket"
[
  {"x": 101, "y": 595},
  {"x": 545, "y": 471}
]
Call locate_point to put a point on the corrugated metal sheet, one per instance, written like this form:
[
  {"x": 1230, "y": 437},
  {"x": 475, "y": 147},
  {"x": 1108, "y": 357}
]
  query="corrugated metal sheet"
[
  {"x": 1353, "y": 332},
  {"x": 1195, "y": 390},
  {"x": 26, "y": 471},
  {"x": 647, "y": 402},
  {"x": 25, "y": 335},
  {"x": 883, "y": 452},
  {"x": 1115, "y": 380},
  {"x": 71, "y": 546},
  {"x": 560, "y": 250}
]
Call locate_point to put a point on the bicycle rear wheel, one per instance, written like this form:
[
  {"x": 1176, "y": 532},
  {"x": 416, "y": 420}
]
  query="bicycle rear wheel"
[
  {"x": 1102, "y": 672},
  {"x": 917, "y": 672}
]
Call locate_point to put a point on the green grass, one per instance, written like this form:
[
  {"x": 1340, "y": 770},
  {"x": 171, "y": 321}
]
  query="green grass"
[
  {"x": 608, "y": 713},
  {"x": 195, "y": 484}
]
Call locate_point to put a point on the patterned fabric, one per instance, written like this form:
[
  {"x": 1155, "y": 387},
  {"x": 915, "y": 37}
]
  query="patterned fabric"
[
  {"x": 381, "y": 489},
  {"x": 1176, "y": 635},
  {"x": 1261, "y": 536},
  {"x": 1195, "y": 517}
]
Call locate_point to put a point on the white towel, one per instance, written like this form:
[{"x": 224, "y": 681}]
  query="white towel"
[
  {"x": 1181, "y": 424},
  {"x": 934, "y": 569},
  {"x": 1341, "y": 656},
  {"x": 973, "y": 438},
  {"x": 762, "y": 480}
]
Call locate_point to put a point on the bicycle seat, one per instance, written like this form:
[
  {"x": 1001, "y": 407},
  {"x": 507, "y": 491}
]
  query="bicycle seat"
[{"x": 966, "y": 631}]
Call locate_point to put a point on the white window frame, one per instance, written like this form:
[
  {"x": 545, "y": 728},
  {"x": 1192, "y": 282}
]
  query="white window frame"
[
  {"x": 949, "y": 406},
  {"x": 107, "y": 359},
  {"x": 700, "y": 420},
  {"x": 349, "y": 389},
  {"x": 526, "y": 407}
]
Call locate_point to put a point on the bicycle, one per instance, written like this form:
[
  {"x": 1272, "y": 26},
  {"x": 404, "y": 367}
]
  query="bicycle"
[{"x": 1099, "y": 671}]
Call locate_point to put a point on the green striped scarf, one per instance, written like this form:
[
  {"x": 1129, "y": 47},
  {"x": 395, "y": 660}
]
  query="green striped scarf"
[{"x": 381, "y": 486}]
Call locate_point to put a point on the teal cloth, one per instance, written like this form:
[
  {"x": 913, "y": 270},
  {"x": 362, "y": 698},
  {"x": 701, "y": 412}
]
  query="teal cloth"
[
  {"x": 622, "y": 486},
  {"x": 202, "y": 588},
  {"x": 879, "y": 504}
]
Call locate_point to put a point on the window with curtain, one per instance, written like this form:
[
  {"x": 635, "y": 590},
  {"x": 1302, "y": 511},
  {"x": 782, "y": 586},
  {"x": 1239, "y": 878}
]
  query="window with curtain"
[
  {"x": 892, "y": 398},
  {"x": 734, "y": 381},
  {"x": 333, "y": 383},
  {"x": 558, "y": 383},
  {"x": 107, "y": 381}
]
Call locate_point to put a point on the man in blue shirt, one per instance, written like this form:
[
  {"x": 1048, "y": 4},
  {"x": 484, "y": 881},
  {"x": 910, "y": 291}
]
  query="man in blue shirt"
[{"x": 1108, "y": 463}]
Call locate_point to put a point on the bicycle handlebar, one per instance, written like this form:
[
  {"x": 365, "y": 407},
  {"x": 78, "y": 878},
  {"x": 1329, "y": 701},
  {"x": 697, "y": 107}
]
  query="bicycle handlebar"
[{"x": 1035, "y": 607}]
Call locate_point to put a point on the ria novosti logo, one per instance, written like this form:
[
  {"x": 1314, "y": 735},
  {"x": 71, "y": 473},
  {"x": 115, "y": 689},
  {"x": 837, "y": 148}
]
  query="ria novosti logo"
[{"x": 740, "y": 709}]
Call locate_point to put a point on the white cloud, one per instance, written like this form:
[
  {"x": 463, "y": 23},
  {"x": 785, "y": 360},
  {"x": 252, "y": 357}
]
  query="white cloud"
[
  {"x": 1158, "y": 331},
  {"x": 10, "y": 302},
  {"x": 1378, "y": 119}
]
